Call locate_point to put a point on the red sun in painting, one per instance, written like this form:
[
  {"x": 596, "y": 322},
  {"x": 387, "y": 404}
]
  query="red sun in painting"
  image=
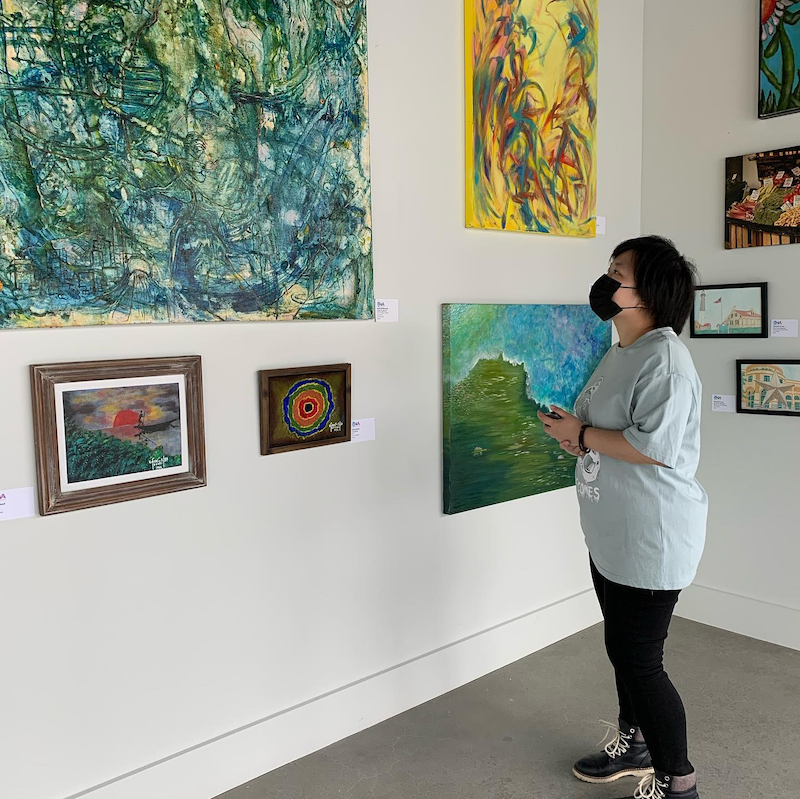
[{"x": 125, "y": 418}]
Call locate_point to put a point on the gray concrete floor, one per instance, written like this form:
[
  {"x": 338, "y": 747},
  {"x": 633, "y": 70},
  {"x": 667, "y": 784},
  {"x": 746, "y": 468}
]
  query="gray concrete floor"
[{"x": 516, "y": 732}]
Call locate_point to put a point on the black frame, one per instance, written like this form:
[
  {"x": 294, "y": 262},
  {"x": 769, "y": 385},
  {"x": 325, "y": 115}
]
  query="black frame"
[
  {"x": 724, "y": 286},
  {"x": 776, "y": 362}
]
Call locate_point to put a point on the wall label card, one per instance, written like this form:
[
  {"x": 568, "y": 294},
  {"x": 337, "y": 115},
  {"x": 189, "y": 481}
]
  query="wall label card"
[
  {"x": 16, "y": 503},
  {"x": 723, "y": 403},
  {"x": 387, "y": 310},
  {"x": 600, "y": 226},
  {"x": 363, "y": 430},
  {"x": 784, "y": 328}
]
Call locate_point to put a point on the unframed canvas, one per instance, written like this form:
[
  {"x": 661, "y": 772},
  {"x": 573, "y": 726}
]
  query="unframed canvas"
[
  {"x": 531, "y": 115},
  {"x": 779, "y": 52},
  {"x": 184, "y": 162},
  {"x": 501, "y": 364},
  {"x": 762, "y": 199}
]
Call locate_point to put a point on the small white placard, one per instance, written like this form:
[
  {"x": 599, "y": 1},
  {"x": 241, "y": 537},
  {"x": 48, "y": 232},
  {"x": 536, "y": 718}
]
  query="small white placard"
[
  {"x": 16, "y": 503},
  {"x": 796, "y": 201},
  {"x": 600, "y": 226},
  {"x": 723, "y": 403},
  {"x": 387, "y": 310},
  {"x": 780, "y": 174},
  {"x": 796, "y": 171},
  {"x": 787, "y": 184},
  {"x": 754, "y": 194},
  {"x": 784, "y": 328},
  {"x": 362, "y": 430},
  {"x": 769, "y": 182}
]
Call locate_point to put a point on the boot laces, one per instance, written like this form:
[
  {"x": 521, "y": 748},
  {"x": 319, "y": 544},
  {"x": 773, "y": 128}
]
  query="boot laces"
[
  {"x": 619, "y": 743},
  {"x": 650, "y": 788}
]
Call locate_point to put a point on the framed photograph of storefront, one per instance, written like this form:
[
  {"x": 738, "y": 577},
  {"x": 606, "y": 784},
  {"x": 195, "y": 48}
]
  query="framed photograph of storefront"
[
  {"x": 768, "y": 387},
  {"x": 730, "y": 310}
]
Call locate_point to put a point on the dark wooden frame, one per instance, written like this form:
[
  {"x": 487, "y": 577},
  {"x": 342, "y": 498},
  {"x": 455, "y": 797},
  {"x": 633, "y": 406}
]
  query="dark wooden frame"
[
  {"x": 264, "y": 376},
  {"x": 739, "y": 392},
  {"x": 724, "y": 286},
  {"x": 44, "y": 379}
]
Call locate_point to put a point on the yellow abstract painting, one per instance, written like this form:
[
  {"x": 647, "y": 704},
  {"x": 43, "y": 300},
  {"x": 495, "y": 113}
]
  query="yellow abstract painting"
[{"x": 531, "y": 107}]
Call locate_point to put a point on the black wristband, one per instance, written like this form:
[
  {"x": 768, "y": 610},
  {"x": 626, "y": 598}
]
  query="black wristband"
[{"x": 581, "y": 443}]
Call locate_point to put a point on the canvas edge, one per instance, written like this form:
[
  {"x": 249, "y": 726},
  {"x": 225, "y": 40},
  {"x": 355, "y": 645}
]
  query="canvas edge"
[{"x": 446, "y": 413}]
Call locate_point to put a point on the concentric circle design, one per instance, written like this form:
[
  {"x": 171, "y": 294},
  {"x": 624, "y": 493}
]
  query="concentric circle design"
[{"x": 307, "y": 407}]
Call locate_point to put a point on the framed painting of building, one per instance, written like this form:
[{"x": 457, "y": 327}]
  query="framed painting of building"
[
  {"x": 779, "y": 53},
  {"x": 184, "y": 162},
  {"x": 768, "y": 387},
  {"x": 111, "y": 431},
  {"x": 730, "y": 310},
  {"x": 304, "y": 407},
  {"x": 762, "y": 199},
  {"x": 531, "y": 116},
  {"x": 502, "y": 364}
]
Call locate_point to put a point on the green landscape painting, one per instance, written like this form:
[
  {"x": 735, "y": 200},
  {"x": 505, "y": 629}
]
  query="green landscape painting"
[
  {"x": 183, "y": 161},
  {"x": 501, "y": 364},
  {"x": 115, "y": 432}
]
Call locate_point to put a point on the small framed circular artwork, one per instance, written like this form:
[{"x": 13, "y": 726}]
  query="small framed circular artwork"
[{"x": 304, "y": 407}]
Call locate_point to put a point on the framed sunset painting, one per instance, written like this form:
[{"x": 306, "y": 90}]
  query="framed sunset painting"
[{"x": 110, "y": 431}]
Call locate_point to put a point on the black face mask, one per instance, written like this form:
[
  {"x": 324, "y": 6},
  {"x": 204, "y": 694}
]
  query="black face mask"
[{"x": 600, "y": 298}]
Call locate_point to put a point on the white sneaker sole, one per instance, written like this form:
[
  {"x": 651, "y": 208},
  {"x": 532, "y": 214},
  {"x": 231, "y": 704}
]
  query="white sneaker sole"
[{"x": 634, "y": 772}]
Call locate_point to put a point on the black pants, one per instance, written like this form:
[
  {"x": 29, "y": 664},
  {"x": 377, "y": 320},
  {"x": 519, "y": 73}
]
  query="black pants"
[{"x": 636, "y": 625}]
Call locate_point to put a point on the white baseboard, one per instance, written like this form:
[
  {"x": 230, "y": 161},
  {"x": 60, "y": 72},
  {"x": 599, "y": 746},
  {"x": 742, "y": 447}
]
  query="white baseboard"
[
  {"x": 212, "y": 767},
  {"x": 766, "y": 621}
]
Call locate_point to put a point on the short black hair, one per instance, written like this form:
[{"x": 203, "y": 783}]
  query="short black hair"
[{"x": 665, "y": 280}]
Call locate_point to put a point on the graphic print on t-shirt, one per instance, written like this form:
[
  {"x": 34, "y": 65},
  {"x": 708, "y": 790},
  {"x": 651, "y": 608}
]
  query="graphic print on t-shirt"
[
  {"x": 585, "y": 399},
  {"x": 589, "y": 464}
]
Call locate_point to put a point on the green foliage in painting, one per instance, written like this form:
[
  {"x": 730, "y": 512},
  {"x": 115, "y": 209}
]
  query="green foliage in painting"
[
  {"x": 780, "y": 51},
  {"x": 92, "y": 454},
  {"x": 502, "y": 364},
  {"x": 168, "y": 160}
]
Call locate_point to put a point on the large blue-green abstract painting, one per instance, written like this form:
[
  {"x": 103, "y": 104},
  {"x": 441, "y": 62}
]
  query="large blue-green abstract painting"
[
  {"x": 183, "y": 161},
  {"x": 501, "y": 364}
]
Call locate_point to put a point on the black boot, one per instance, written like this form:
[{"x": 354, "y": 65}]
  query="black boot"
[
  {"x": 622, "y": 757},
  {"x": 659, "y": 786}
]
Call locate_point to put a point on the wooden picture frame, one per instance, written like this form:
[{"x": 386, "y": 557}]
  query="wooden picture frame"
[
  {"x": 154, "y": 444},
  {"x": 304, "y": 407},
  {"x": 699, "y": 320},
  {"x": 763, "y": 387}
]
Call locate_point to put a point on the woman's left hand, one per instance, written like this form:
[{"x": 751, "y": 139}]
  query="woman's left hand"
[{"x": 566, "y": 429}]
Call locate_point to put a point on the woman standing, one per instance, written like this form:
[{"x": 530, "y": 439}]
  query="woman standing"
[{"x": 636, "y": 432}]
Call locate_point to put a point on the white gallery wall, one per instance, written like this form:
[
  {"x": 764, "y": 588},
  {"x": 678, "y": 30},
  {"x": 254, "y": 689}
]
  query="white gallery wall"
[
  {"x": 144, "y": 644},
  {"x": 700, "y": 106}
]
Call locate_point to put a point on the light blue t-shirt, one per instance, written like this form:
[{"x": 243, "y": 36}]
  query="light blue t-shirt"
[{"x": 645, "y": 525}]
